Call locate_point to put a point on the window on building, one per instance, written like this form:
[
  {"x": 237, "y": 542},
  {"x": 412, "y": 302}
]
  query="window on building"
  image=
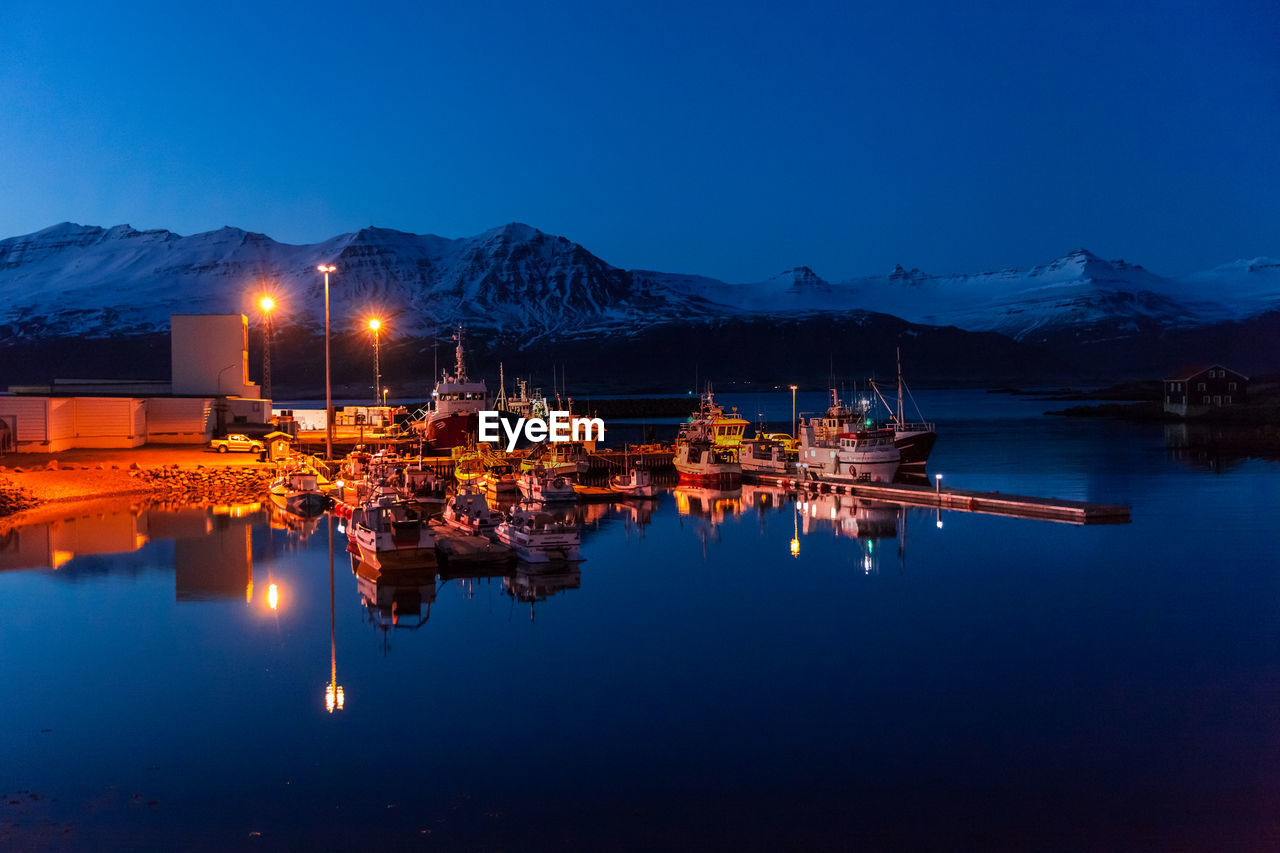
[
  {"x": 1227, "y": 399},
  {"x": 1201, "y": 387},
  {"x": 1231, "y": 386},
  {"x": 1206, "y": 399}
]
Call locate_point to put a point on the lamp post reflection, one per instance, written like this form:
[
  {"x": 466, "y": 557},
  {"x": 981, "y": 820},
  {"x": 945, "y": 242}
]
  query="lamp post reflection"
[
  {"x": 333, "y": 695},
  {"x": 795, "y": 530}
]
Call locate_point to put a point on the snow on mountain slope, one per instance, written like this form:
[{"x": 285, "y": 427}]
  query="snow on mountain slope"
[
  {"x": 73, "y": 279},
  {"x": 522, "y": 283}
]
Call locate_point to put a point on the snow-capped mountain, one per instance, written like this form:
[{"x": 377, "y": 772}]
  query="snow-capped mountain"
[
  {"x": 83, "y": 280},
  {"x": 522, "y": 284}
]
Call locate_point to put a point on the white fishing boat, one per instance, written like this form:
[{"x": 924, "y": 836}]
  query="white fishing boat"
[
  {"x": 636, "y": 483},
  {"x": 391, "y": 533},
  {"x": 537, "y": 537},
  {"x": 545, "y": 487},
  {"x": 769, "y": 455},
  {"x": 298, "y": 492},
  {"x": 861, "y": 456},
  {"x": 469, "y": 511}
]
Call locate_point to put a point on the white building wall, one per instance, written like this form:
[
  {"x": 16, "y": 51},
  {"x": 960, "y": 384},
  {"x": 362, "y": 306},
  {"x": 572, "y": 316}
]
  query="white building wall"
[
  {"x": 29, "y": 416},
  {"x": 108, "y": 422},
  {"x": 210, "y": 355},
  {"x": 179, "y": 420}
]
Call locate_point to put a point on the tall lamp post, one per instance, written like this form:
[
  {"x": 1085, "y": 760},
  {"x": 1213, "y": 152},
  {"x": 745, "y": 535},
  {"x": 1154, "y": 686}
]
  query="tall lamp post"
[
  {"x": 794, "y": 426},
  {"x": 328, "y": 388},
  {"x": 266, "y": 304},
  {"x": 374, "y": 326}
]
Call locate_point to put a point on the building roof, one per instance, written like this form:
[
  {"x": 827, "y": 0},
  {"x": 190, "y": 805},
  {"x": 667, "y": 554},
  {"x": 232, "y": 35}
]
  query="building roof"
[{"x": 1194, "y": 370}]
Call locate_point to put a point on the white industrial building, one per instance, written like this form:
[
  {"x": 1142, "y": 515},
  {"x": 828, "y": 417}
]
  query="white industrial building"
[{"x": 209, "y": 393}]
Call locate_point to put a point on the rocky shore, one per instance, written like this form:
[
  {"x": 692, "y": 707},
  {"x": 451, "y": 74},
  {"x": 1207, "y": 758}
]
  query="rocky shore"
[{"x": 172, "y": 474}]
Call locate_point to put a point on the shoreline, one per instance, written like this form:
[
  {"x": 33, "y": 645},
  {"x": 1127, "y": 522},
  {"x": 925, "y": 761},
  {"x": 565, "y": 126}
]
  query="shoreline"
[{"x": 57, "y": 480}]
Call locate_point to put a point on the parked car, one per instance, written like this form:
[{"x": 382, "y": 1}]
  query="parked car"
[{"x": 235, "y": 441}]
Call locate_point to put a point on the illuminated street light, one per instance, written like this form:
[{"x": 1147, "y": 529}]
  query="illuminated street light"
[
  {"x": 385, "y": 392},
  {"x": 375, "y": 325},
  {"x": 328, "y": 388},
  {"x": 266, "y": 305},
  {"x": 938, "y": 481}
]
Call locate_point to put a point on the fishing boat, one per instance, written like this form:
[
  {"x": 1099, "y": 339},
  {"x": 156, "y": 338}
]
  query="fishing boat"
[
  {"x": 859, "y": 456},
  {"x": 699, "y": 461},
  {"x": 468, "y": 465},
  {"x": 458, "y": 401},
  {"x": 768, "y": 454},
  {"x": 537, "y": 537},
  {"x": 636, "y": 483},
  {"x": 704, "y": 455},
  {"x": 469, "y": 511},
  {"x": 499, "y": 479},
  {"x": 712, "y": 422},
  {"x": 914, "y": 439},
  {"x": 425, "y": 487},
  {"x": 565, "y": 458},
  {"x": 545, "y": 487},
  {"x": 298, "y": 492},
  {"x": 391, "y": 533}
]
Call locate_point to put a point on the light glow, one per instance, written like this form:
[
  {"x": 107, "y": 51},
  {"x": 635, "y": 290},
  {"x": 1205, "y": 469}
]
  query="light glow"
[
  {"x": 266, "y": 304},
  {"x": 273, "y": 597}
]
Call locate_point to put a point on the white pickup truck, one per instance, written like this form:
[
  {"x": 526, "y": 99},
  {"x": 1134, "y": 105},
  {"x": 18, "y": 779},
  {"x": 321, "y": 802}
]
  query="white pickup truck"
[{"x": 235, "y": 441}]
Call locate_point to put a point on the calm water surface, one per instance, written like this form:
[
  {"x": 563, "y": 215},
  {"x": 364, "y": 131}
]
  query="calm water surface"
[{"x": 986, "y": 683}]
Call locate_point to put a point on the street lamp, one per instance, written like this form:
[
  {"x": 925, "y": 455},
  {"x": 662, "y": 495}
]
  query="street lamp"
[
  {"x": 374, "y": 326},
  {"x": 266, "y": 305},
  {"x": 385, "y": 392},
  {"x": 328, "y": 388},
  {"x": 794, "y": 427}
]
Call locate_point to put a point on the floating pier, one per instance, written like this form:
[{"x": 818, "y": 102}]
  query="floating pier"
[
  {"x": 458, "y": 547},
  {"x": 962, "y": 500}
]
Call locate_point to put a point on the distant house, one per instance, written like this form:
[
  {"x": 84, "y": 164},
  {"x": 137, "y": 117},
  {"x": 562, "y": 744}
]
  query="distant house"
[{"x": 1196, "y": 390}]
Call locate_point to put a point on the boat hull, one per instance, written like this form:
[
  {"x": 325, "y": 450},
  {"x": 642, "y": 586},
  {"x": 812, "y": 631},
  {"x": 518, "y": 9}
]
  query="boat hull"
[
  {"x": 914, "y": 447},
  {"x": 451, "y": 430}
]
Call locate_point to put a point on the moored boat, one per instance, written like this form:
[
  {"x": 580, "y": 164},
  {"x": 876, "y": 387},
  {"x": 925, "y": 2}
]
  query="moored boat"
[
  {"x": 391, "y": 533},
  {"x": 636, "y": 483},
  {"x": 861, "y": 456},
  {"x": 458, "y": 401},
  {"x": 469, "y": 512},
  {"x": 545, "y": 487},
  {"x": 768, "y": 455},
  {"x": 914, "y": 439},
  {"x": 538, "y": 537},
  {"x": 298, "y": 492}
]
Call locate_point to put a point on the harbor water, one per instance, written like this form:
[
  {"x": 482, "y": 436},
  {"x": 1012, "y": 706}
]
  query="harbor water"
[{"x": 742, "y": 670}]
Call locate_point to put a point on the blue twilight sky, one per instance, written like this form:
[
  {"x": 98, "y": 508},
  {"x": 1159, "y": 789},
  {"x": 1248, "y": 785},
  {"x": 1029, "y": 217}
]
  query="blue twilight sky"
[{"x": 728, "y": 139}]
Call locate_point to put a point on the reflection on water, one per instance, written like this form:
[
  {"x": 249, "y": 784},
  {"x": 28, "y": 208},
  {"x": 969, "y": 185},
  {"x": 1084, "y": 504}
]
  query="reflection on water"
[{"x": 751, "y": 669}]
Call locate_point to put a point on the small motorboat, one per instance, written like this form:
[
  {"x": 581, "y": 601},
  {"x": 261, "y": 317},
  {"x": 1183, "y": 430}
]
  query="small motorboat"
[
  {"x": 469, "y": 512},
  {"x": 537, "y": 537},
  {"x": 636, "y": 483},
  {"x": 391, "y": 533},
  {"x": 543, "y": 486},
  {"x": 298, "y": 492}
]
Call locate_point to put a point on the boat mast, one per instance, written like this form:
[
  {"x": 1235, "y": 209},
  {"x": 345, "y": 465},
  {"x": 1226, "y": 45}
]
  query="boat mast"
[{"x": 900, "y": 420}]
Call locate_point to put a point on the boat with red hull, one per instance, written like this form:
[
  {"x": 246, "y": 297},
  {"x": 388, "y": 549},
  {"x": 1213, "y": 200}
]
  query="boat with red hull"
[{"x": 455, "y": 417}]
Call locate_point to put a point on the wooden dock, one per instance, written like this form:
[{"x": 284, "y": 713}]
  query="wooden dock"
[{"x": 962, "y": 500}]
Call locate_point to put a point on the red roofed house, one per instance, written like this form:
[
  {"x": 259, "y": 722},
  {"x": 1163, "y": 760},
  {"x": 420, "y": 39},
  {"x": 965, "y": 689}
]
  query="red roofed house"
[{"x": 1196, "y": 390}]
